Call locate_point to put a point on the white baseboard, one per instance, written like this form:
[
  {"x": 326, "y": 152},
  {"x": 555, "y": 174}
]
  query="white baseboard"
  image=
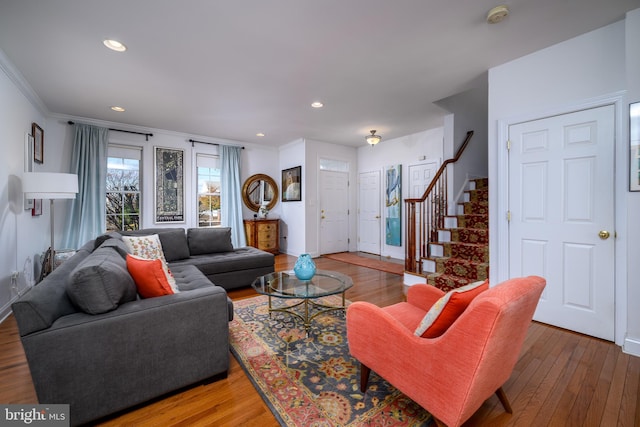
[
  {"x": 631, "y": 346},
  {"x": 413, "y": 279},
  {"x": 5, "y": 311}
]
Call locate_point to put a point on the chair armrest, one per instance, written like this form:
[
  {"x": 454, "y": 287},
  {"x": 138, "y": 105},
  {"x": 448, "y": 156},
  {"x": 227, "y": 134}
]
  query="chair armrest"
[
  {"x": 370, "y": 332},
  {"x": 424, "y": 296}
]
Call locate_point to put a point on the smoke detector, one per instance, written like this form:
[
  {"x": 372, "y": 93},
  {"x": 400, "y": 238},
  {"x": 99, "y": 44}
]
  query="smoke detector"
[{"x": 497, "y": 14}]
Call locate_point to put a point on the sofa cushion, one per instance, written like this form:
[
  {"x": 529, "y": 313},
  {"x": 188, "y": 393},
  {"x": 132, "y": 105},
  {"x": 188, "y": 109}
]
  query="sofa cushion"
[
  {"x": 118, "y": 245},
  {"x": 447, "y": 309},
  {"x": 209, "y": 240},
  {"x": 246, "y": 258},
  {"x": 150, "y": 276},
  {"x": 101, "y": 282},
  {"x": 174, "y": 244},
  {"x": 148, "y": 247}
]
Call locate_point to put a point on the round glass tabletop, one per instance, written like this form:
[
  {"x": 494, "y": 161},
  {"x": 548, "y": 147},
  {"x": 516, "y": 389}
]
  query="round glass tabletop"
[{"x": 285, "y": 284}]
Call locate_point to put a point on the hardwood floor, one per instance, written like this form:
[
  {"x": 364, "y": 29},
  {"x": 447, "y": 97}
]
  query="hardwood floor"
[{"x": 561, "y": 378}]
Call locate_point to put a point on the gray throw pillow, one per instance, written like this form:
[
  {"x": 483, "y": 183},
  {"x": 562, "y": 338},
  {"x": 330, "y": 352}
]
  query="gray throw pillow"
[
  {"x": 101, "y": 282},
  {"x": 209, "y": 240}
]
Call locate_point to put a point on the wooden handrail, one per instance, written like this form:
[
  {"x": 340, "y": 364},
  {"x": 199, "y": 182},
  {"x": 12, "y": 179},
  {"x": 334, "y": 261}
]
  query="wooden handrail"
[
  {"x": 441, "y": 170},
  {"x": 438, "y": 201}
]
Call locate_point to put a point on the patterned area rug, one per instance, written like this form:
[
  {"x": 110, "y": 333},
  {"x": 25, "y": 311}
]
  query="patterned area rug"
[
  {"x": 351, "y": 258},
  {"x": 313, "y": 380}
]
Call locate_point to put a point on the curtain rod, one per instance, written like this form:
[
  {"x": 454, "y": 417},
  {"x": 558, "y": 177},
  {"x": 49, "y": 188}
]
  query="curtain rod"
[
  {"x": 146, "y": 135},
  {"x": 192, "y": 141}
]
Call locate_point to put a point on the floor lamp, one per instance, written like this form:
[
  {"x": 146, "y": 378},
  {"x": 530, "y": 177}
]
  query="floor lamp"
[{"x": 47, "y": 185}]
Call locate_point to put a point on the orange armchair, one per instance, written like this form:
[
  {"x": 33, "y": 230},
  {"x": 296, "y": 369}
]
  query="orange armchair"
[{"x": 451, "y": 375}]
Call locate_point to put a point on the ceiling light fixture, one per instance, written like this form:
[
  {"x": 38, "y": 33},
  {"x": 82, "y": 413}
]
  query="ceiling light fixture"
[
  {"x": 260, "y": 134},
  {"x": 118, "y": 109},
  {"x": 497, "y": 14},
  {"x": 317, "y": 104},
  {"x": 114, "y": 45},
  {"x": 373, "y": 139}
]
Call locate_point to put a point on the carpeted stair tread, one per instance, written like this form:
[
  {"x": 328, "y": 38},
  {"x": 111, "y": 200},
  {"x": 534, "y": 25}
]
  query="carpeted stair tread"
[
  {"x": 463, "y": 268},
  {"x": 473, "y": 221},
  {"x": 447, "y": 282},
  {"x": 480, "y": 195},
  {"x": 478, "y": 208},
  {"x": 481, "y": 182},
  {"x": 470, "y": 235},
  {"x": 469, "y": 251}
]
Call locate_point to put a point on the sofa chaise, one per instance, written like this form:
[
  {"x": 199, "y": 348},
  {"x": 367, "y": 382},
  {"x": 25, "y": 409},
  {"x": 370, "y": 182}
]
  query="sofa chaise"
[{"x": 92, "y": 342}]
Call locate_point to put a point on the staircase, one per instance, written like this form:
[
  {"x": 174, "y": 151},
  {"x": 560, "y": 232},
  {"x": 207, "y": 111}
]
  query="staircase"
[{"x": 461, "y": 254}]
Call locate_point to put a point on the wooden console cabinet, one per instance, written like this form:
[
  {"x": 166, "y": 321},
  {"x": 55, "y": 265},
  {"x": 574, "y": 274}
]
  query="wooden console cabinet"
[{"x": 263, "y": 234}]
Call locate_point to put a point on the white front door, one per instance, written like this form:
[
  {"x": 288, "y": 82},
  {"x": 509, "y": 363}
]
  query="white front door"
[
  {"x": 334, "y": 212},
  {"x": 369, "y": 223},
  {"x": 562, "y": 216}
]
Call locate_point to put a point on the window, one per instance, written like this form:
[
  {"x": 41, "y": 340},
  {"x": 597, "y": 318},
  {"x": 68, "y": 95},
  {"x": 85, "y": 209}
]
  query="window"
[
  {"x": 208, "y": 190},
  {"x": 123, "y": 188}
]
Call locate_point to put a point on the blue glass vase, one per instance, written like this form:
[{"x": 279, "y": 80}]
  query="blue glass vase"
[{"x": 304, "y": 268}]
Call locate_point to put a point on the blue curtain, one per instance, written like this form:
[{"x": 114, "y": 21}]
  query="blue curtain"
[
  {"x": 230, "y": 196},
  {"x": 86, "y": 219}
]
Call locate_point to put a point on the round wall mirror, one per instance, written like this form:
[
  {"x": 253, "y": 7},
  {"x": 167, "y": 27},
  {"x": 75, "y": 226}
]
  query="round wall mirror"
[{"x": 257, "y": 189}]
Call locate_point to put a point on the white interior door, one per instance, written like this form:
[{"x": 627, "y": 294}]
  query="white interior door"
[
  {"x": 369, "y": 218},
  {"x": 420, "y": 176},
  {"x": 334, "y": 212},
  {"x": 562, "y": 216}
]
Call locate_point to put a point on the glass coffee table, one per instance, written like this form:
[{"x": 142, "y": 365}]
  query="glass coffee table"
[{"x": 285, "y": 285}]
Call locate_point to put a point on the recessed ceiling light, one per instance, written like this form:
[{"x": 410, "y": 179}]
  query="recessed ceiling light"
[
  {"x": 317, "y": 104},
  {"x": 260, "y": 134},
  {"x": 118, "y": 109},
  {"x": 114, "y": 45}
]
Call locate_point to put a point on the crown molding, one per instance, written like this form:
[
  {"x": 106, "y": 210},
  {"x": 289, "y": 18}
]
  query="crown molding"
[{"x": 21, "y": 83}]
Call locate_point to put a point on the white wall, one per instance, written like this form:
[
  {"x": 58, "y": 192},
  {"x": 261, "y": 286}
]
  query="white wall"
[
  {"x": 632, "y": 342},
  {"x": 254, "y": 159},
  {"x": 468, "y": 113},
  {"x": 292, "y": 221},
  {"x": 406, "y": 150},
  {"x": 21, "y": 235},
  {"x": 579, "y": 73}
]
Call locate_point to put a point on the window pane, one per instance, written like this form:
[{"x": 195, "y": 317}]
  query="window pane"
[
  {"x": 208, "y": 197},
  {"x": 123, "y": 193}
]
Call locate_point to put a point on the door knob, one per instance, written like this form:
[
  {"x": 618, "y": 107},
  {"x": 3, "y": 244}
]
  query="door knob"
[
  {"x": 377, "y": 216},
  {"x": 603, "y": 234}
]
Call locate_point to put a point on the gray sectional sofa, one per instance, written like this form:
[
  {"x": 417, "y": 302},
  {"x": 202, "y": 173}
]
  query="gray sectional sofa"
[{"x": 93, "y": 343}]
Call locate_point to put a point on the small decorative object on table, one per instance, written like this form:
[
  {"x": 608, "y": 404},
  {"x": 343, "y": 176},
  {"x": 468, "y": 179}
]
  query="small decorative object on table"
[
  {"x": 263, "y": 211},
  {"x": 304, "y": 268}
]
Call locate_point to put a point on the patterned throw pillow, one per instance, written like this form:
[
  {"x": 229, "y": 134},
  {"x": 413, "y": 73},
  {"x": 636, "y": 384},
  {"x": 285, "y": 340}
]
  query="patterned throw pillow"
[
  {"x": 151, "y": 276},
  {"x": 448, "y": 308},
  {"x": 149, "y": 247}
]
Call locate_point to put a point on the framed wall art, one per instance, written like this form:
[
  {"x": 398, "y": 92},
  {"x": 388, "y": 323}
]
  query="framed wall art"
[
  {"x": 393, "y": 203},
  {"x": 634, "y": 147},
  {"x": 37, "y": 207},
  {"x": 292, "y": 184},
  {"x": 38, "y": 143},
  {"x": 169, "y": 184},
  {"x": 28, "y": 165}
]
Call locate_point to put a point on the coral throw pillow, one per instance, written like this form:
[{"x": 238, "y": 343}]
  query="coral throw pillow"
[
  {"x": 448, "y": 308},
  {"x": 149, "y": 276}
]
